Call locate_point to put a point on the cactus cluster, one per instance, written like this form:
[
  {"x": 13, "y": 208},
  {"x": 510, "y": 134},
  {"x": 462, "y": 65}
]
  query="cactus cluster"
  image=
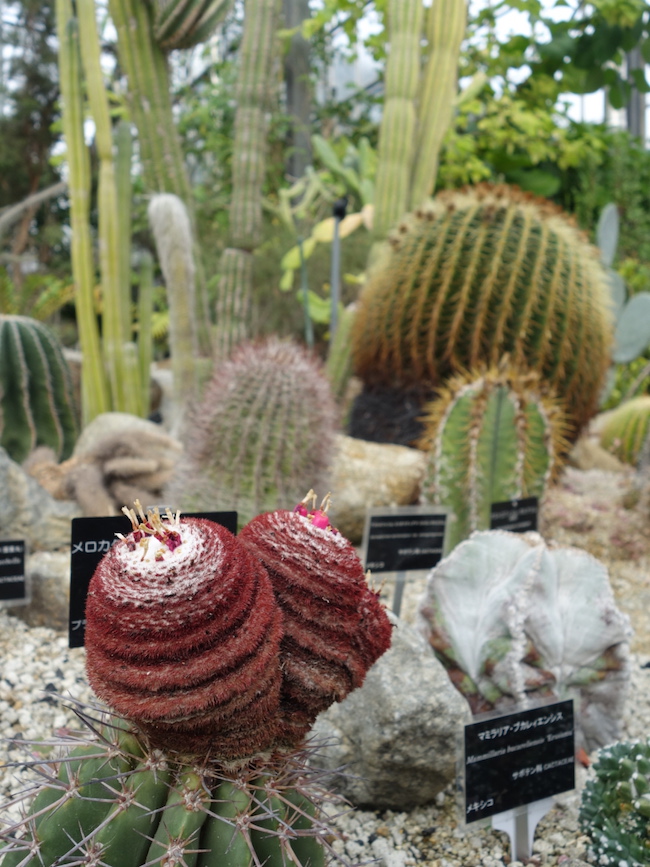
[
  {"x": 481, "y": 273},
  {"x": 36, "y": 399},
  {"x": 216, "y": 653},
  {"x": 489, "y": 437},
  {"x": 615, "y": 805},
  {"x": 266, "y": 422},
  {"x": 513, "y": 619}
]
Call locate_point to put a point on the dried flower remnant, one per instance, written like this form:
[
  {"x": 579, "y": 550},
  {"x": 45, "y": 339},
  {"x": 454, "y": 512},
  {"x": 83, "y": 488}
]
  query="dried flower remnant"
[
  {"x": 335, "y": 627},
  {"x": 183, "y": 636}
]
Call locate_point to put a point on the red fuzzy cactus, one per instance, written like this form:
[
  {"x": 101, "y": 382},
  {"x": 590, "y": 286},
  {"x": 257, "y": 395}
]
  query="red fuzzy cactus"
[
  {"x": 229, "y": 645},
  {"x": 335, "y": 627},
  {"x": 182, "y": 637}
]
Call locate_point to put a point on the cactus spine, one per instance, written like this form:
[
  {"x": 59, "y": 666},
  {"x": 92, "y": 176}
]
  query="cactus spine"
[
  {"x": 207, "y": 767},
  {"x": 480, "y": 273},
  {"x": 36, "y": 400},
  {"x": 490, "y": 438},
  {"x": 266, "y": 422},
  {"x": 626, "y": 429}
]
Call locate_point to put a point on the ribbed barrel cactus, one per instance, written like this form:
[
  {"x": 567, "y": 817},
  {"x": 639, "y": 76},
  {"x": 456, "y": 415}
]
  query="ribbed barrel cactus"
[
  {"x": 513, "y": 619},
  {"x": 615, "y": 805},
  {"x": 266, "y": 422},
  {"x": 190, "y": 643},
  {"x": 479, "y": 273},
  {"x": 37, "y": 404},
  {"x": 489, "y": 437},
  {"x": 626, "y": 429}
]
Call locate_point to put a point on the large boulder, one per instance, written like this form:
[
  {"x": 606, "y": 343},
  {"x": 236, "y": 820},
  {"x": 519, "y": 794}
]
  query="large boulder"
[
  {"x": 48, "y": 576},
  {"x": 396, "y": 737},
  {"x": 368, "y": 475},
  {"x": 28, "y": 512}
]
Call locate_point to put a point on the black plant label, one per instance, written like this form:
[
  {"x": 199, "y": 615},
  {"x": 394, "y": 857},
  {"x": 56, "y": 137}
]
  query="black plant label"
[
  {"x": 13, "y": 585},
  {"x": 515, "y": 759},
  {"x": 402, "y": 539},
  {"x": 518, "y": 516},
  {"x": 91, "y": 539}
]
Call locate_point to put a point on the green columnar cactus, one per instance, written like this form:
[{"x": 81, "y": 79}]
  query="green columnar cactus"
[
  {"x": 266, "y": 422},
  {"x": 172, "y": 233},
  {"x": 480, "y": 273},
  {"x": 490, "y": 437},
  {"x": 206, "y": 766},
  {"x": 258, "y": 50},
  {"x": 626, "y": 428},
  {"x": 95, "y": 397},
  {"x": 186, "y": 23},
  {"x": 615, "y": 805},
  {"x": 36, "y": 400},
  {"x": 398, "y": 131},
  {"x": 514, "y": 620}
]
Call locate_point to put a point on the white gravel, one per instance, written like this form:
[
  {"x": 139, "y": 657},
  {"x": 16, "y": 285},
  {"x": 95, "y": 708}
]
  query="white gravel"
[{"x": 37, "y": 664}]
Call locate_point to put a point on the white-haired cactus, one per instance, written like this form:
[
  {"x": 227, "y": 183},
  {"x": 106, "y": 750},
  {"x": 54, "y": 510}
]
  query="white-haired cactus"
[
  {"x": 513, "y": 619},
  {"x": 490, "y": 436},
  {"x": 615, "y": 805},
  {"x": 36, "y": 398},
  {"x": 190, "y": 639}
]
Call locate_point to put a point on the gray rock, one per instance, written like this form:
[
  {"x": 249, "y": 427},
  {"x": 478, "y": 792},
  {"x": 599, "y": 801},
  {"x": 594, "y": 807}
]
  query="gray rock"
[
  {"x": 366, "y": 475},
  {"x": 109, "y": 423},
  {"x": 28, "y": 512},
  {"x": 48, "y": 575},
  {"x": 396, "y": 736}
]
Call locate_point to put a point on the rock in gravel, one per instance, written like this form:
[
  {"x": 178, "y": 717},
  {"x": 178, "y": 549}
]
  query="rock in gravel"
[{"x": 396, "y": 736}]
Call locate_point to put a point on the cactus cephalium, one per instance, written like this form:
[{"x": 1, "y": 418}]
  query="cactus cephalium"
[
  {"x": 626, "y": 428},
  {"x": 489, "y": 438},
  {"x": 513, "y": 619},
  {"x": 189, "y": 641},
  {"x": 615, "y": 805},
  {"x": 36, "y": 398},
  {"x": 479, "y": 273},
  {"x": 266, "y": 422}
]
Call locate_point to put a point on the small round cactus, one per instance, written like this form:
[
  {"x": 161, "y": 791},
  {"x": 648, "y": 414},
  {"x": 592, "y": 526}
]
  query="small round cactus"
[
  {"x": 615, "y": 805},
  {"x": 626, "y": 429}
]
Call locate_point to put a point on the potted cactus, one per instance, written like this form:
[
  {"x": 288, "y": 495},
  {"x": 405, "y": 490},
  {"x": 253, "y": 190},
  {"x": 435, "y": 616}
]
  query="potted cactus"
[{"x": 215, "y": 653}]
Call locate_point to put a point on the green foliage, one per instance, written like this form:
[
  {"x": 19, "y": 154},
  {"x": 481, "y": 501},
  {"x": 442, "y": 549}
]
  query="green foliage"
[
  {"x": 263, "y": 431},
  {"x": 36, "y": 400},
  {"x": 39, "y": 296},
  {"x": 615, "y": 805},
  {"x": 479, "y": 274},
  {"x": 489, "y": 438}
]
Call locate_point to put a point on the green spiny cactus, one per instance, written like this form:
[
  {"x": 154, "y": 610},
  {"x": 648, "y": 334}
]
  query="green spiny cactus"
[
  {"x": 490, "y": 438},
  {"x": 266, "y": 422},
  {"x": 626, "y": 428},
  {"x": 36, "y": 399},
  {"x": 186, "y": 23},
  {"x": 615, "y": 805},
  {"x": 480, "y": 273},
  {"x": 193, "y": 636},
  {"x": 513, "y": 620}
]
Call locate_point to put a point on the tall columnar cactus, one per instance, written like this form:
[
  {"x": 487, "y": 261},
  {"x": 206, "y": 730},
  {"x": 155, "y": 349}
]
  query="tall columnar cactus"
[
  {"x": 259, "y": 48},
  {"x": 490, "y": 437},
  {"x": 513, "y": 619},
  {"x": 418, "y": 104},
  {"x": 186, "y": 638},
  {"x": 36, "y": 399},
  {"x": 266, "y": 422},
  {"x": 480, "y": 273},
  {"x": 626, "y": 428},
  {"x": 186, "y": 23},
  {"x": 615, "y": 805}
]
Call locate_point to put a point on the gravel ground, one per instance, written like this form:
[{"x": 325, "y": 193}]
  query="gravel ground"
[{"x": 38, "y": 667}]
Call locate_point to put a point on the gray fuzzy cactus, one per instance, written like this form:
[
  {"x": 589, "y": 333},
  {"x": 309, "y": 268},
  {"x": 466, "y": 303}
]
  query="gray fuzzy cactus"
[
  {"x": 36, "y": 398},
  {"x": 265, "y": 428},
  {"x": 615, "y": 805},
  {"x": 513, "y": 619}
]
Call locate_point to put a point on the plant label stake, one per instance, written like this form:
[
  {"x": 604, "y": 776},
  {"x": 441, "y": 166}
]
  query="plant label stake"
[
  {"x": 339, "y": 209},
  {"x": 400, "y": 539},
  {"x": 513, "y": 764},
  {"x": 13, "y": 585}
]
